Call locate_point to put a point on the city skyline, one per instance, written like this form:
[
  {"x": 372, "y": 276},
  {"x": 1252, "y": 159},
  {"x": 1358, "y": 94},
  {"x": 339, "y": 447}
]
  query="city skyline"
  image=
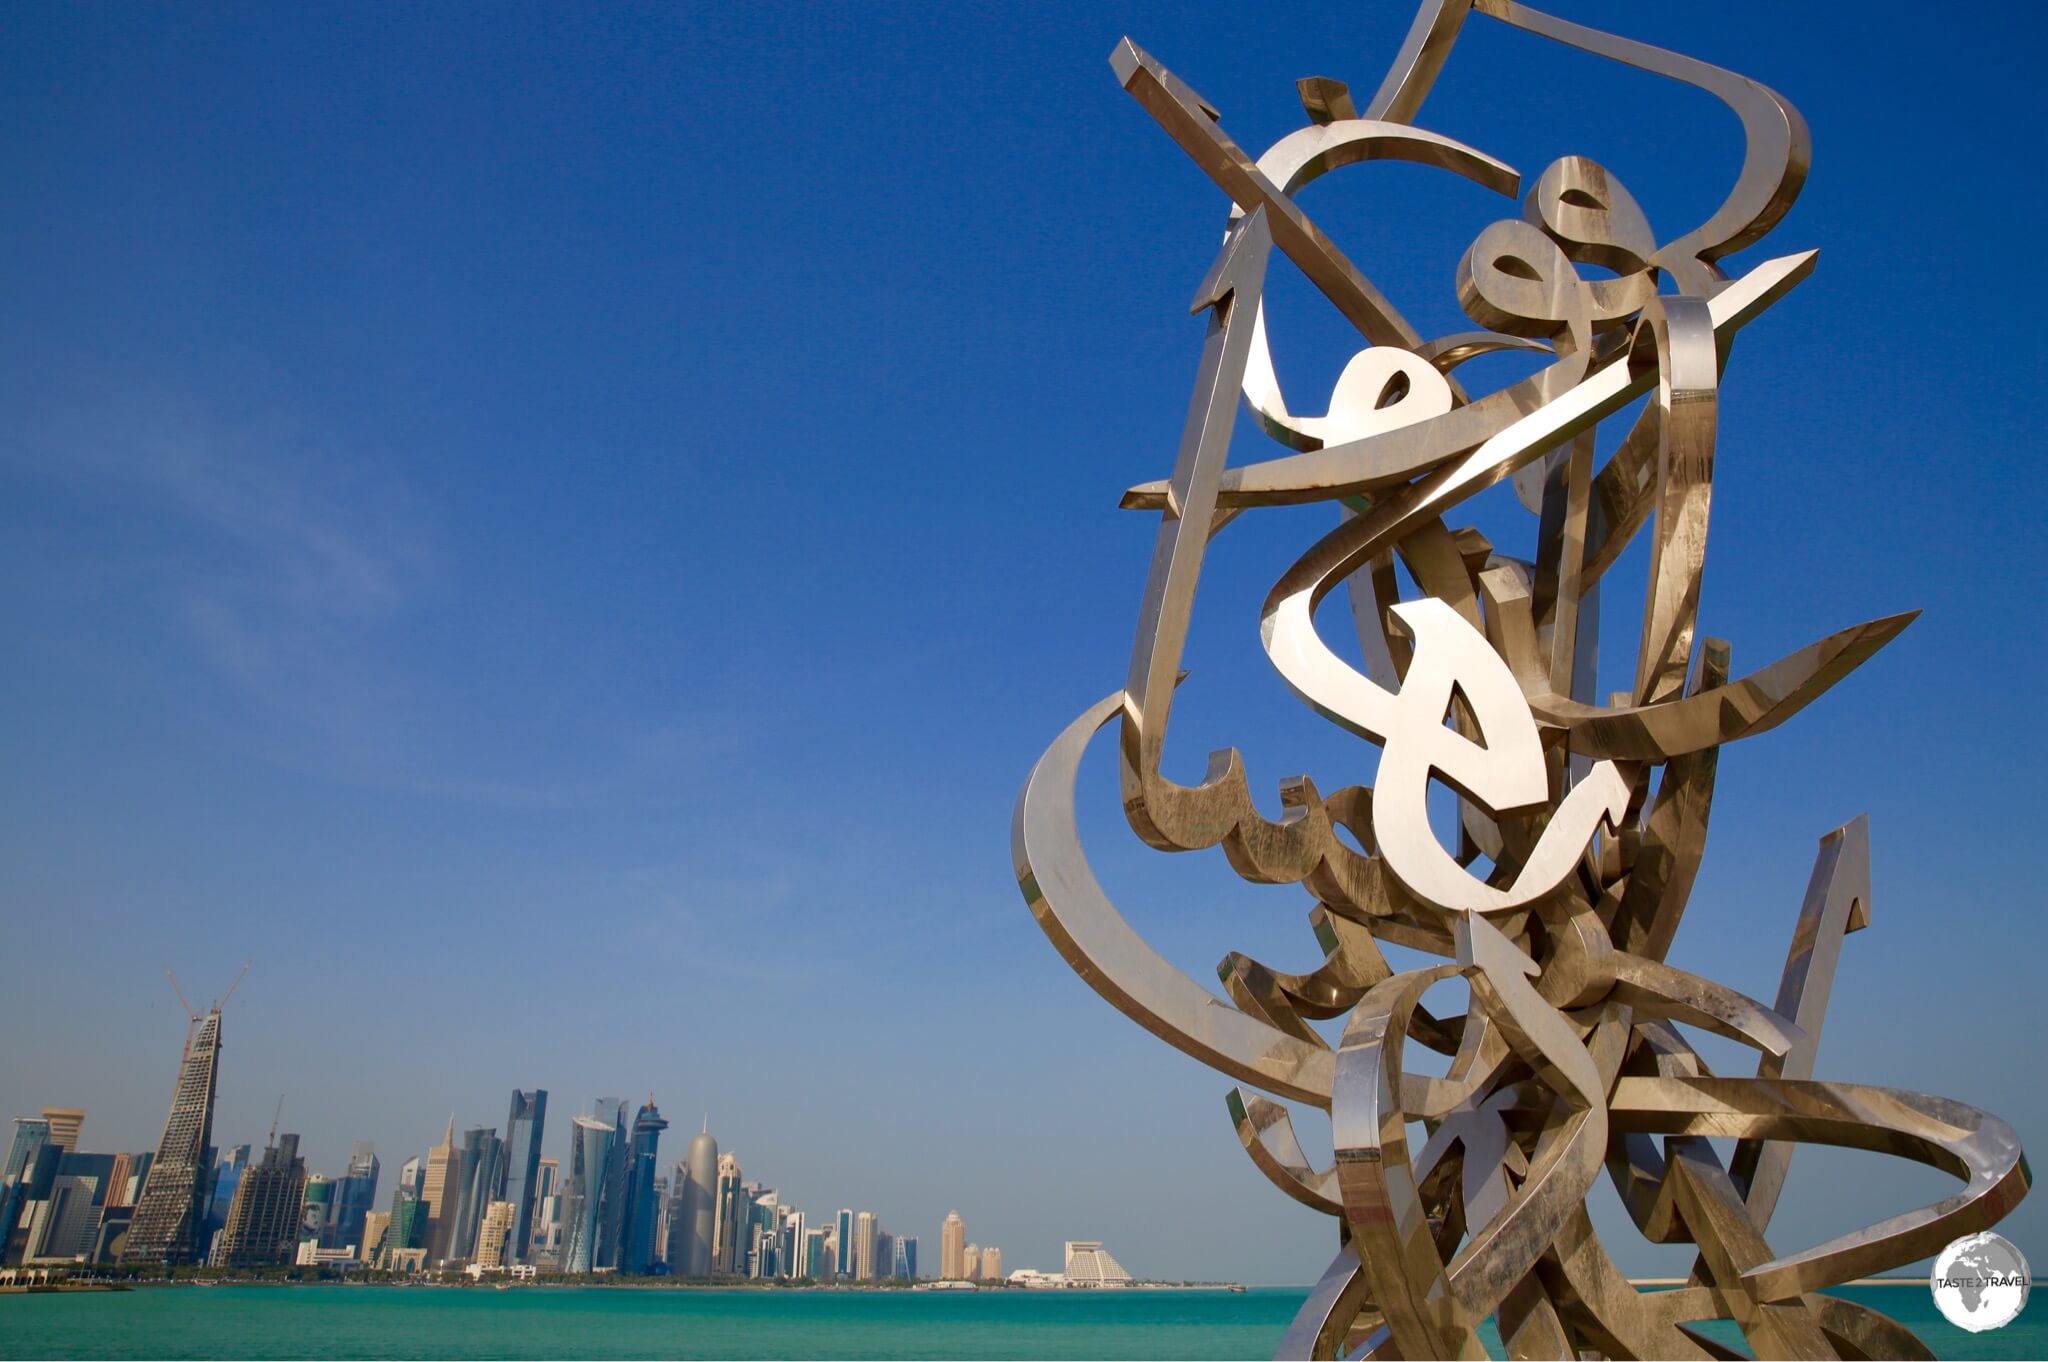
[
  {"x": 487, "y": 1204},
  {"x": 488, "y": 518}
]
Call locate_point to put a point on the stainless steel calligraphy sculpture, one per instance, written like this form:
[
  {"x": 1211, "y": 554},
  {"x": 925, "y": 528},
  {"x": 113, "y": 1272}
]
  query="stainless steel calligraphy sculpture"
[{"x": 1580, "y": 825}]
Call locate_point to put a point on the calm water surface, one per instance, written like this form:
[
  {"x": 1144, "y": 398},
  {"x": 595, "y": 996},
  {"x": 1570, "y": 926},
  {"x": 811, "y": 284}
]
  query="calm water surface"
[{"x": 384, "y": 1322}]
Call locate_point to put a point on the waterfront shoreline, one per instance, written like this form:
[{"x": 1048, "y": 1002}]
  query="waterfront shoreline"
[
  {"x": 600, "y": 1283},
  {"x": 846, "y": 1288},
  {"x": 739, "y": 1324}
]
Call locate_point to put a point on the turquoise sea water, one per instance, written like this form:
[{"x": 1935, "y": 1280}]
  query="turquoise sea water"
[{"x": 387, "y": 1321}]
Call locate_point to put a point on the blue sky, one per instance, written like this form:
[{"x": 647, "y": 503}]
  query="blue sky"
[{"x": 559, "y": 533}]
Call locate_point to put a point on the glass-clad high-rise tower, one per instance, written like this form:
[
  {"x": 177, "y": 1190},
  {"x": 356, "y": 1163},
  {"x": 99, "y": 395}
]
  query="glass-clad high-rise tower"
[
  {"x": 479, "y": 1180},
  {"x": 590, "y": 1157},
  {"x": 354, "y": 1196},
  {"x": 170, "y": 1211},
  {"x": 636, "y": 1252},
  {"x": 523, "y": 1125},
  {"x": 728, "y": 1243},
  {"x": 31, "y": 1133},
  {"x": 611, "y": 1219}
]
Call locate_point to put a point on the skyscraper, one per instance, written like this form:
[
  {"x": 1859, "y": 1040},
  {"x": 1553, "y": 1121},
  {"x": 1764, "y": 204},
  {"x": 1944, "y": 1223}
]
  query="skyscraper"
[
  {"x": 729, "y": 1241},
  {"x": 992, "y": 1264},
  {"x": 408, "y": 1225},
  {"x": 354, "y": 1194},
  {"x": 590, "y": 1154},
  {"x": 438, "y": 1192},
  {"x": 220, "y": 1189},
  {"x": 316, "y": 1208},
  {"x": 690, "y": 1240},
  {"x": 637, "y": 1237},
  {"x": 544, "y": 1235},
  {"x": 611, "y": 1222},
  {"x": 791, "y": 1256},
  {"x": 906, "y": 1257},
  {"x": 760, "y": 1254},
  {"x": 952, "y": 1247},
  {"x": 664, "y": 1205},
  {"x": 372, "y": 1241},
  {"x": 865, "y": 1231},
  {"x": 970, "y": 1263},
  {"x": 65, "y": 1220},
  {"x": 27, "y": 1200},
  {"x": 547, "y": 1232},
  {"x": 842, "y": 1226},
  {"x": 523, "y": 1125},
  {"x": 30, "y": 1134},
  {"x": 171, "y": 1210},
  {"x": 65, "y": 1123},
  {"x": 117, "y": 1181},
  {"x": 741, "y": 1200},
  {"x": 885, "y": 1252},
  {"x": 479, "y": 1171},
  {"x": 263, "y": 1221},
  {"x": 813, "y": 1266},
  {"x": 405, "y": 1226},
  {"x": 138, "y": 1173},
  {"x": 493, "y": 1234}
]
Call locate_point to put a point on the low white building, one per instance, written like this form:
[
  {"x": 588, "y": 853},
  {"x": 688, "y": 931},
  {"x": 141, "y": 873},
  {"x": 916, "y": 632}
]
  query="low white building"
[
  {"x": 312, "y": 1255},
  {"x": 1032, "y": 1279}
]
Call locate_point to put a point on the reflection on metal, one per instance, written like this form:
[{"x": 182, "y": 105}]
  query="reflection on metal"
[{"x": 1579, "y": 825}]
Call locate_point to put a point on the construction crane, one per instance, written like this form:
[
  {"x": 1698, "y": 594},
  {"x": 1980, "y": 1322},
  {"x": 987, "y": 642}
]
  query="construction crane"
[
  {"x": 192, "y": 1017},
  {"x": 232, "y": 987},
  {"x": 189, "y": 1013},
  {"x": 218, "y": 1003}
]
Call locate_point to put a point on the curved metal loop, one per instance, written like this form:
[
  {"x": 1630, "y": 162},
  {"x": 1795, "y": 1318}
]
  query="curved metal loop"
[
  {"x": 1676, "y": 338},
  {"x": 1093, "y": 938},
  {"x": 1972, "y": 1145},
  {"x": 1777, "y": 152}
]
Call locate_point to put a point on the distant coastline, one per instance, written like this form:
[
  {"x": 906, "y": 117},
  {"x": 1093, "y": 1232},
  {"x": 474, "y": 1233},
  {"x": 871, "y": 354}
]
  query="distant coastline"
[{"x": 99, "y": 1281}]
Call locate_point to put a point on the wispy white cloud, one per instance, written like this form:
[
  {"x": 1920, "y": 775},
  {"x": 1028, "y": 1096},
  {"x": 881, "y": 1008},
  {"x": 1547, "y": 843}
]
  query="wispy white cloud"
[{"x": 292, "y": 571}]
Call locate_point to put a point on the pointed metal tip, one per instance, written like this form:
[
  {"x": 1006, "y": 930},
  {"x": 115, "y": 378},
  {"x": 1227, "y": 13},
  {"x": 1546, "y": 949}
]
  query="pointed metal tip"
[
  {"x": 1244, "y": 251},
  {"x": 1125, "y": 59},
  {"x": 1146, "y": 496},
  {"x": 1885, "y": 628}
]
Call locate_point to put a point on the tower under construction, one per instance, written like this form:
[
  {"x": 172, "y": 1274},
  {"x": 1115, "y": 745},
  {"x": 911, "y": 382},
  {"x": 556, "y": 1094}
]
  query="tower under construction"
[{"x": 170, "y": 1213}]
